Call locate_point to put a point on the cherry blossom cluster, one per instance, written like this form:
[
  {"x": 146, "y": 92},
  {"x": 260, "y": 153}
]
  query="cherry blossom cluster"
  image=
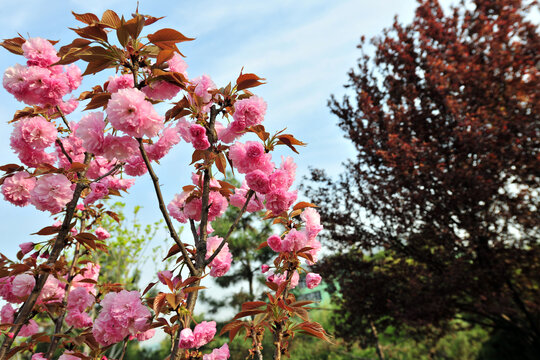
[{"x": 69, "y": 167}]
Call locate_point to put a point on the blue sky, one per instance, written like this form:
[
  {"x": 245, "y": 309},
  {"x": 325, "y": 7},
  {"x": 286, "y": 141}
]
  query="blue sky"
[{"x": 303, "y": 48}]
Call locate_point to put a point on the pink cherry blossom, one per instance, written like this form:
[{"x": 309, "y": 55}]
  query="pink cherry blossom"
[
  {"x": 313, "y": 222},
  {"x": 90, "y": 131},
  {"x": 36, "y": 132},
  {"x": 53, "y": 291},
  {"x": 258, "y": 181},
  {"x": 51, "y": 193},
  {"x": 239, "y": 197},
  {"x": 7, "y": 314},
  {"x": 146, "y": 335},
  {"x": 16, "y": 189},
  {"x": 204, "y": 333},
  {"x": 119, "y": 82},
  {"x": 187, "y": 339},
  {"x": 79, "y": 299},
  {"x": 222, "y": 262},
  {"x": 78, "y": 319},
  {"x": 264, "y": 268},
  {"x": 250, "y": 156},
  {"x": 102, "y": 234},
  {"x": 98, "y": 191},
  {"x": 248, "y": 112},
  {"x": 160, "y": 90},
  {"x": 129, "y": 112},
  {"x": 122, "y": 314},
  {"x": 73, "y": 76},
  {"x": 119, "y": 147},
  {"x": 27, "y": 247},
  {"x": 168, "y": 138},
  {"x": 313, "y": 280},
  {"x": 218, "y": 354},
  {"x": 89, "y": 272},
  {"x": 177, "y": 64},
  {"x": 29, "y": 329},
  {"x": 38, "y": 356},
  {"x": 39, "y": 52},
  {"x": 22, "y": 285},
  {"x": 279, "y": 200},
  {"x": 274, "y": 242}
]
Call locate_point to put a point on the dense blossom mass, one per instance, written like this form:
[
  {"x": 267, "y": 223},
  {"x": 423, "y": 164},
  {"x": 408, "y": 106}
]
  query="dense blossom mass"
[{"x": 69, "y": 168}]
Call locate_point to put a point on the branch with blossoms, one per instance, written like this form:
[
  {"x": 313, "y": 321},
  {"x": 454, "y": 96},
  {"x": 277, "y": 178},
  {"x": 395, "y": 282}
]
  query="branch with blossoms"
[{"x": 69, "y": 167}]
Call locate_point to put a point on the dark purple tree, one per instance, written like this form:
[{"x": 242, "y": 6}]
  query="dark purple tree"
[{"x": 437, "y": 216}]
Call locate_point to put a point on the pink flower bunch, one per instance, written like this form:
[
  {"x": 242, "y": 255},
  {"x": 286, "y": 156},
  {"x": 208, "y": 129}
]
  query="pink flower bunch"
[
  {"x": 203, "y": 85},
  {"x": 250, "y": 156},
  {"x": 116, "y": 83},
  {"x": 89, "y": 272},
  {"x": 39, "y": 83},
  {"x": 238, "y": 199},
  {"x": 160, "y": 90},
  {"x": 168, "y": 138},
  {"x": 222, "y": 262},
  {"x": 79, "y": 299},
  {"x": 177, "y": 64},
  {"x": 202, "y": 334},
  {"x": 279, "y": 279},
  {"x": 129, "y": 112},
  {"x": 39, "y": 52},
  {"x": 313, "y": 280},
  {"x": 218, "y": 354},
  {"x": 182, "y": 210},
  {"x": 6, "y": 290},
  {"x": 51, "y": 193},
  {"x": 16, "y": 189},
  {"x": 296, "y": 240},
  {"x": 53, "y": 291},
  {"x": 7, "y": 316},
  {"x": 90, "y": 130},
  {"x": 30, "y": 138},
  {"x": 119, "y": 147},
  {"x": 101, "y": 233},
  {"x": 122, "y": 314},
  {"x": 194, "y": 134},
  {"x": 247, "y": 112},
  {"x": 26, "y": 247},
  {"x": 22, "y": 285},
  {"x": 98, "y": 190}
]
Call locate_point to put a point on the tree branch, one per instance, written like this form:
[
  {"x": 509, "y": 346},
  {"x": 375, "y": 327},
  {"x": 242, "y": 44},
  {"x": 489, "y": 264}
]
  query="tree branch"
[
  {"x": 164, "y": 211},
  {"x": 61, "y": 145},
  {"x": 232, "y": 228}
]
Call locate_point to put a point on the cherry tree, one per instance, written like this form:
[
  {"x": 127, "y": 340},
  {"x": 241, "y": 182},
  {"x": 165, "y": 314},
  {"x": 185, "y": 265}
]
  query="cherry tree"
[{"x": 69, "y": 166}]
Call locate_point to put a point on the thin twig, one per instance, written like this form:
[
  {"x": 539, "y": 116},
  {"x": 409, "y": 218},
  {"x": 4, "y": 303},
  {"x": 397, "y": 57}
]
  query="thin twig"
[
  {"x": 63, "y": 117},
  {"x": 110, "y": 172},
  {"x": 61, "y": 145},
  {"x": 232, "y": 228},
  {"x": 164, "y": 211},
  {"x": 194, "y": 230}
]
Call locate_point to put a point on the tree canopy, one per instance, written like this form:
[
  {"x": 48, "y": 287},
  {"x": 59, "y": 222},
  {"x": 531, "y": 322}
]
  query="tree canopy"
[{"x": 437, "y": 216}]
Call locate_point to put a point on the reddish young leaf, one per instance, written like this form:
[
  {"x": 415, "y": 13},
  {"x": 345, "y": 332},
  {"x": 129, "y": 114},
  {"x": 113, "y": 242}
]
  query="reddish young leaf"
[
  {"x": 111, "y": 19},
  {"x": 246, "y": 81},
  {"x": 87, "y": 18}
]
